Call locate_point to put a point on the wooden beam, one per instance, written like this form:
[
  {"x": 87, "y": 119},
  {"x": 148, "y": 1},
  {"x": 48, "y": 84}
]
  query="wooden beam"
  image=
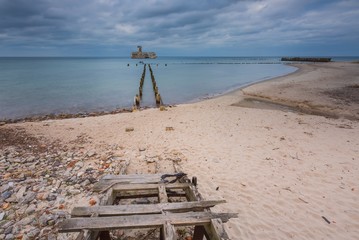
[
  {"x": 123, "y": 186},
  {"x": 216, "y": 230},
  {"x": 141, "y": 221},
  {"x": 162, "y": 194},
  {"x": 120, "y": 210},
  {"x": 108, "y": 198},
  {"x": 168, "y": 232},
  {"x": 135, "y": 177},
  {"x": 130, "y": 187}
]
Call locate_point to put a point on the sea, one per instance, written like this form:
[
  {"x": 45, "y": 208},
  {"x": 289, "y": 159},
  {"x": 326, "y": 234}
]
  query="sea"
[{"x": 38, "y": 86}]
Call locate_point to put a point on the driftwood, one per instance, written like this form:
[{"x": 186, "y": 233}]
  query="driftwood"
[{"x": 96, "y": 221}]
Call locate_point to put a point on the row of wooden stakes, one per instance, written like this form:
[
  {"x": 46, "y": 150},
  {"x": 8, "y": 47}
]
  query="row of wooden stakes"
[{"x": 138, "y": 96}]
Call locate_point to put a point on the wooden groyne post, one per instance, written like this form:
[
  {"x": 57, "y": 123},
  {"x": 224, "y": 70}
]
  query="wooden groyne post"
[
  {"x": 158, "y": 98},
  {"x": 138, "y": 97}
]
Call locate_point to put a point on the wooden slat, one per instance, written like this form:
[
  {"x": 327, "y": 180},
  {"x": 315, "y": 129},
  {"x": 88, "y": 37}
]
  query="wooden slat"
[
  {"x": 216, "y": 230},
  {"x": 162, "y": 195},
  {"x": 145, "y": 178},
  {"x": 168, "y": 232},
  {"x": 192, "y": 194},
  {"x": 109, "y": 180},
  {"x": 120, "y": 185},
  {"x": 141, "y": 221},
  {"x": 120, "y": 210},
  {"x": 130, "y": 187},
  {"x": 108, "y": 198}
]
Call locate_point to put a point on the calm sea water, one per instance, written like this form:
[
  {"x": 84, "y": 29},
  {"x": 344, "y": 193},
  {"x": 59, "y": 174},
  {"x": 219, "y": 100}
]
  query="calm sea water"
[{"x": 39, "y": 86}]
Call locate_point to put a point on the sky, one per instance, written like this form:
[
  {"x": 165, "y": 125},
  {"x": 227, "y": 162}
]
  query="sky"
[{"x": 179, "y": 27}]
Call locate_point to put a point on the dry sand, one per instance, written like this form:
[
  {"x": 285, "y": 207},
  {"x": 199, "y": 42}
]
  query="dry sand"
[{"x": 280, "y": 169}]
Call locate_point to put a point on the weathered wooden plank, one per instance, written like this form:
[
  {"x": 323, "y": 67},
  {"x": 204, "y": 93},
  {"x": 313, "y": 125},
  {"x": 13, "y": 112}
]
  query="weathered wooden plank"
[
  {"x": 168, "y": 232},
  {"x": 141, "y": 221},
  {"x": 162, "y": 195},
  {"x": 192, "y": 194},
  {"x": 81, "y": 235},
  {"x": 147, "y": 194},
  {"x": 120, "y": 210},
  {"x": 136, "y": 187},
  {"x": 216, "y": 230},
  {"x": 110, "y": 180},
  {"x": 137, "y": 194},
  {"x": 145, "y": 178},
  {"x": 108, "y": 198}
]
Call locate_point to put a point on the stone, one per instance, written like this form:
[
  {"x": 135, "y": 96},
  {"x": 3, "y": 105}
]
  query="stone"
[
  {"x": 30, "y": 209},
  {"x": 8, "y": 229},
  {"x": 45, "y": 231},
  {"x": 25, "y": 221},
  {"x": 51, "y": 197},
  {"x": 9, "y": 237},
  {"x": 33, "y": 233},
  {"x": 6, "y": 224},
  {"x": 28, "y": 197},
  {"x": 91, "y": 153},
  {"x": 43, "y": 220},
  {"x": 85, "y": 183},
  {"x": 129, "y": 129},
  {"x": 74, "y": 191},
  {"x": 6, "y": 194},
  {"x": 20, "y": 193}
]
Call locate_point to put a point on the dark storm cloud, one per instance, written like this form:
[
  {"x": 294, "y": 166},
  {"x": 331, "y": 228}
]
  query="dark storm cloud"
[{"x": 174, "y": 24}]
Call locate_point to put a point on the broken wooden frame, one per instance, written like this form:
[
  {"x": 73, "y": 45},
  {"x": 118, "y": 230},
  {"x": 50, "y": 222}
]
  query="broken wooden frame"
[{"x": 96, "y": 221}]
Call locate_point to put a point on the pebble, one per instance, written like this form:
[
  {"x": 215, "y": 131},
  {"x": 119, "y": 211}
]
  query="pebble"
[
  {"x": 45, "y": 181},
  {"x": 91, "y": 153},
  {"x": 28, "y": 197},
  {"x": 6, "y": 194},
  {"x": 9, "y": 237},
  {"x": 20, "y": 193},
  {"x": 31, "y": 209},
  {"x": 33, "y": 233}
]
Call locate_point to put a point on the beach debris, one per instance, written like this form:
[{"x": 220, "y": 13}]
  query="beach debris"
[
  {"x": 129, "y": 129},
  {"x": 303, "y": 200},
  {"x": 92, "y": 202},
  {"x": 142, "y": 148},
  {"x": 325, "y": 219},
  {"x": 169, "y": 129}
]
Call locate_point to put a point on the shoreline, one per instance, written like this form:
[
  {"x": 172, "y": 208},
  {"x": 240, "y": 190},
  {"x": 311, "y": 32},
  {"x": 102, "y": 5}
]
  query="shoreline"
[
  {"x": 281, "y": 171},
  {"x": 59, "y": 116}
]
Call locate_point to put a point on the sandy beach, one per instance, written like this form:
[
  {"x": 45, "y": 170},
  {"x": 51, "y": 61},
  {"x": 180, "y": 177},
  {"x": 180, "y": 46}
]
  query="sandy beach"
[{"x": 283, "y": 153}]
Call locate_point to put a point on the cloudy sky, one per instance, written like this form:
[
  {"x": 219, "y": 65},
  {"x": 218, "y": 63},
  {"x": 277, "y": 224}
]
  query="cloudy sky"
[{"x": 179, "y": 27}]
